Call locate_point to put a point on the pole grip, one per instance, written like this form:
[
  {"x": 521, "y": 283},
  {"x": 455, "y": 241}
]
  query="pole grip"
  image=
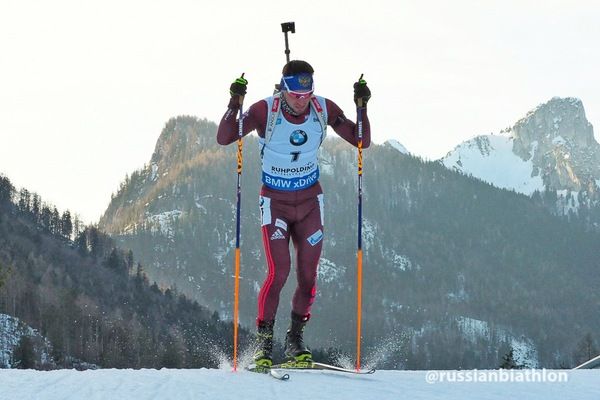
[
  {"x": 360, "y": 100},
  {"x": 241, "y": 98}
]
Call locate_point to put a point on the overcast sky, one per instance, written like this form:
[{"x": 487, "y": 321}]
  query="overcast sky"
[{"x": 87, "y": 86}]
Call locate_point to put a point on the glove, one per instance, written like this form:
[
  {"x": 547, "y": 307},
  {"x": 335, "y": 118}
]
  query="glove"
[
  {"x": 238, "y": 87},
  {"x": 362, "y": 93}
]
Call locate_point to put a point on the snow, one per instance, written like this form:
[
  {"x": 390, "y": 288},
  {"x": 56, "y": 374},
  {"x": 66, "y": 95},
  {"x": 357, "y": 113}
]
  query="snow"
[
  {"x": 223, "y": 384},
  {"x": 328, "y": 271},
  {"x": 11, "y": 331},
  {"x": 163, "y": 222},
  {"x": 201, "y": 207},
  {"x": 525, "y": 352},
  {"x": 473, "y": 328},
  {"x": 220, "y": 254},
  {"x": 369, "y": 233},
  {"x": 491, "y": 159},
  {"x": 399, "y": 261},
  {"x": 198, "y": 201},
  {"x": 326, "y": 168},
  {"x": 396, "y": 145},
  {"x": 325, "y": 162}
]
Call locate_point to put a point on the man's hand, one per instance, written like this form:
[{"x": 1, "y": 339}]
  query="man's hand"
[
  {"x": 239, "y": 87},
  {"x": 362, "y": 93}
]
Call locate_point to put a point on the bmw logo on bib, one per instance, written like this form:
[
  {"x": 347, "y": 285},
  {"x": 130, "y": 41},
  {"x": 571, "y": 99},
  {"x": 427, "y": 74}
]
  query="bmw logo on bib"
[{"x": 298, "y": 138}]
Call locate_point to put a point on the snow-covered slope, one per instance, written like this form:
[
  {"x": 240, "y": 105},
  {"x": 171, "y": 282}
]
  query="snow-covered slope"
[
  {"x": 397, "y": 145},
  {"x": 224, "y": 384},
  {"x": 552, "y": 146},
  {"x": 525, "y": 353},
  {"x": 490, "y": 158},
  {"x": 11, "y": 331}
]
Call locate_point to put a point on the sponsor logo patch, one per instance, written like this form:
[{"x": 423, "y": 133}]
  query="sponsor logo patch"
[
  {"x": 298, "y": 137},
  {"x": 290, "y": 184},
  {"x": 315, "y": 238},
  {"x": 281, "y": 224},
  {"x": 278, "y": 235},
  {"x": 316, "y": 104}
]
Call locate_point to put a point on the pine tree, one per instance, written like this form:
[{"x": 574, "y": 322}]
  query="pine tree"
[
  {"x": 24, "y": 354},
  {"x": 586, "y": 349},
  {"x": 3, "y": 274},
  {"x": 173, "y": 355},
  {"x": 55, "y": 227},
  {"x": 66, "y": 225},
  {"x": 6, "y": 189},
  {"x": 94, "y": 243},
  {"x": 129, "y": 261},
  {"x": 24, "y": 200},
  {"x": 36, "y": 204},
  {"x": 114, "y": 260},
  {"x": 81, "y": 243},
  {"x": 46, "y": 217},
  {"x": 509, "y": 362},
  {"x": 77, "y": 226}
]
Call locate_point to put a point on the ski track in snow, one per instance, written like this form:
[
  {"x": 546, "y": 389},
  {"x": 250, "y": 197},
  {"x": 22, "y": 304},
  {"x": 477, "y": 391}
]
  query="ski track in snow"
[{"x": 222, "y": 384}]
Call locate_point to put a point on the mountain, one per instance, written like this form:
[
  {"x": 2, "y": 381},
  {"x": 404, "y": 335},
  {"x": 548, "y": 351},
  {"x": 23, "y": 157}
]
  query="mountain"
[
  {"x": 74, "y": 299},
  {"x": 457, "y": 272},
  {"x": 396, "y": 145},
  {"x": 552, "y": 147}
]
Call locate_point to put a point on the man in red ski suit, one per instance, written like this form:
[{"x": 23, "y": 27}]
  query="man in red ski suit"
[{"x": 291, "y": 126}]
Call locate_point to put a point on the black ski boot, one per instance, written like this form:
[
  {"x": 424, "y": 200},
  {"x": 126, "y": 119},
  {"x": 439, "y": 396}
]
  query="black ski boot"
[
  {"x": 263, "y": 357},
  {"x": 295, "y": 350}
]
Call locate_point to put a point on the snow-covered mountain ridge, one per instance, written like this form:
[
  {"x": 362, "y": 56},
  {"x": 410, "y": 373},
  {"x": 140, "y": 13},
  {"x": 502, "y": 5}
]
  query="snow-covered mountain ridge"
[{"x": 553, "y": 147}]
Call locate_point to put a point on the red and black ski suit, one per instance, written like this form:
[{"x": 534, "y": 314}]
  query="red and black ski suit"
[{"x": 286, "y": 215}]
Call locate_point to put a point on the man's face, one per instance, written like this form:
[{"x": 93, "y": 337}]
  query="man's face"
[{"x": 298, "y": 101}]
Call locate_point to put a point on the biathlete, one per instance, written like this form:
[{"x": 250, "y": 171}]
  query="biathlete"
[{"x": 291, "y": 126}]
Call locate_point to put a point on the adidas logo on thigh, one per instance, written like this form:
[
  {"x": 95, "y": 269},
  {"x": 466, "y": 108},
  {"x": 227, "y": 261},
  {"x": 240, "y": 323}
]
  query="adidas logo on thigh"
[{"x": 277, "y": 235}]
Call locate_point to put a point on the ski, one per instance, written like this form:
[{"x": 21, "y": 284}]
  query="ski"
[
  {"x": 274, "y": 373},
  {"x": 318, "y": 365},
  {"x": 590, "y": 364},
  {"x": 278, "y": 374},
  {"x": 323, "y": 367}
]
